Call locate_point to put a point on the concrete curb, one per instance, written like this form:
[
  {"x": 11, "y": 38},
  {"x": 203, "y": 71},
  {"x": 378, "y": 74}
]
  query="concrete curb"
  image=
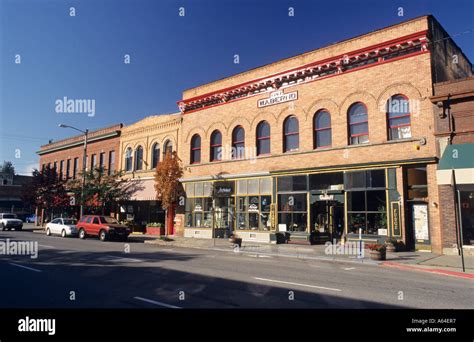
[{"x": 429, "y": 270}]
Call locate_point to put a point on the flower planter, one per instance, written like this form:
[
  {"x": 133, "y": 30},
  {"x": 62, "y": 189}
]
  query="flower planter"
[
  {"x": 391, "y": 247},
  {"x": 155, "y": 230},
  {"x": 378, "y": 255}
]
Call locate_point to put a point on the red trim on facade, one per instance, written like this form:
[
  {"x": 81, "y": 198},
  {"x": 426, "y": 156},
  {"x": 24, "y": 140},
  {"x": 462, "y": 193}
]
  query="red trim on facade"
[{"x": 331, "y": 62}]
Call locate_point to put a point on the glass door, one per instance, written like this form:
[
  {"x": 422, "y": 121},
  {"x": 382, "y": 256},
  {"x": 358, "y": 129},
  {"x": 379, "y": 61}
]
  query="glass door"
[{"x": 223, "y": 216}]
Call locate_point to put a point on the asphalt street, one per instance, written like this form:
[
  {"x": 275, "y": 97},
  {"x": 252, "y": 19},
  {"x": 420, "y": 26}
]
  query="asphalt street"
[{"x": 74, "y": 273}]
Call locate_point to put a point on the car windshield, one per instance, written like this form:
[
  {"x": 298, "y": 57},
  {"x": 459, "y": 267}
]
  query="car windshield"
[
  {"x": 69, "y": 221},
  {"x": 8, "y": 216},
  {"x": 105, "y": 219}
]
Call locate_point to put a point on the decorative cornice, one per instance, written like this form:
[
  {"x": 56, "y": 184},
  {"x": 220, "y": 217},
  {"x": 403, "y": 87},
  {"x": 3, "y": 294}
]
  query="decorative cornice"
[{"x": 388, "y": 51}]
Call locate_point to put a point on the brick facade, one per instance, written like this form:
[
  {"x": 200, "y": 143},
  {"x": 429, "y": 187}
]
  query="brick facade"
[
  {"x": 104, "y": 141},
  {"x": 372, "y": 85}
]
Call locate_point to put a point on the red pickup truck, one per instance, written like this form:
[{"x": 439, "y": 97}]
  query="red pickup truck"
[{"x": 102, "y": 226}]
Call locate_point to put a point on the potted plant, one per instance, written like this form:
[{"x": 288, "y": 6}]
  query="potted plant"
[
  {"x": 235, "y": 241},
  {"x": 155, "y": 228},
  {"x": 391, "y": 245},
  {"x": 377, "y": 251}
]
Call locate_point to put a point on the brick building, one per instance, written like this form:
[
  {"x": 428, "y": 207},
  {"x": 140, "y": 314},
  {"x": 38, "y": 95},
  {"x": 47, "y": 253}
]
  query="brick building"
[
  {"x": 328, "y": 144},
  {"x": 454, "y": 132},
  {"x": 142, "y": 146},
  {"x": 67, "y": 155}
]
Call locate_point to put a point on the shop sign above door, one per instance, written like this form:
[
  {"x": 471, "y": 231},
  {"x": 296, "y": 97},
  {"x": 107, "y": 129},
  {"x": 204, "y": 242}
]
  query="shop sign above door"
[{"x": 277, "y": 97}]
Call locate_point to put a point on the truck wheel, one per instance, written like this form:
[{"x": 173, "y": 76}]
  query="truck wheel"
[
  {"x": 103, "y": 235},
  {"x": 82, "y": 234}
]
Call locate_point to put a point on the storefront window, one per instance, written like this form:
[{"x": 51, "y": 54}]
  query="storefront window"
[
  {"x": 199, "y": 212},
  {"x": 292, "y": 211},
  {"x": 253, "y": 212},
  {"x": 365, "y": 179},
  {"x": 291, "y": 183},
  {"x": 324, "y": 181},
  {"x": 417, "y": 184},
  {"x": 366, "y": 210}
]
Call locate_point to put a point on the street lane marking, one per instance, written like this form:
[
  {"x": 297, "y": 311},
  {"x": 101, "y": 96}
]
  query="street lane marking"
[
  {"x": 25, "y": 267},
  {"x": 169, "y": 306},
  {"x": 297, "y": 284},
  {"x": 124, "y": 259},
  {"x": 349, "y": 268},
  {"x": 46, "y": 246}
]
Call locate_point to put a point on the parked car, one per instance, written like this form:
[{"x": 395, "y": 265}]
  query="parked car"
[
  {"x": 30, "y": 218},
  {"x": 102, "y": 226},
  {"x": 62, "y": 226},
  {"x": 9, "y": 221}
]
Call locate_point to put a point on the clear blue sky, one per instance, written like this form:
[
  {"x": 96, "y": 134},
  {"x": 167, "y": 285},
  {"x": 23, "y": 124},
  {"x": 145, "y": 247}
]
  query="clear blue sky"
[{"x": 81, "y": 57}]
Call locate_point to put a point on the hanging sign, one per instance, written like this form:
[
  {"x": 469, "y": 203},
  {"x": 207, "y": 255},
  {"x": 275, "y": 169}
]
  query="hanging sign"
[{"x": 277, "y": 97}]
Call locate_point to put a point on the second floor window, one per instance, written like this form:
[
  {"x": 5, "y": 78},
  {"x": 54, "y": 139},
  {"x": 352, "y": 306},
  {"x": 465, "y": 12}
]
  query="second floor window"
[
  {"x": 128, "y": 159},
  {"x": 216, "y": 146},
  {"x": 263, "y": 138},
  {"x": 398, "y": 116},
  {"x": 155, "y": 155},
  {"x": 139, "y": 158},
  {"x": 238, "y": 143},
  {"x": 322, "y": 129},
  {"x": 291, "y": 135},
  {"x": 358, "y": 124},
  {"x": 195, "y": 149}
]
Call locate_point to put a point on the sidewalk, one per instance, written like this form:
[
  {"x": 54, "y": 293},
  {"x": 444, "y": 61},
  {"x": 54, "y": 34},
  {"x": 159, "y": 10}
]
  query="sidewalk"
[{"x": 421, "y": 261}]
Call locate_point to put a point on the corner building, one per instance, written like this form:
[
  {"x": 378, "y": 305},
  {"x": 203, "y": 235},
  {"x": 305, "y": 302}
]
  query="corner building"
[{"x": 326, "y": 145}]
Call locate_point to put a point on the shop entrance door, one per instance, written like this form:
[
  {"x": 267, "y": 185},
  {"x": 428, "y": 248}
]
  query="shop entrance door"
[
  {"x": 327, "y": 220},
  {"x": 223, "y": 216}
]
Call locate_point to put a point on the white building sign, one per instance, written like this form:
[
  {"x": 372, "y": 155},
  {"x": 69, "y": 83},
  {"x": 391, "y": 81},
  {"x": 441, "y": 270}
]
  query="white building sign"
[{"x": 277, "y": 97}]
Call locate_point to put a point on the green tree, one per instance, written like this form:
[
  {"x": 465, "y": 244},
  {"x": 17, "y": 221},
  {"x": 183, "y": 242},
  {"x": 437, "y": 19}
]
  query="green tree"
[
  {"x": 46, "y": 190},
  {"x": 101, "y": 190},
  {"x": 7, "y": 167}
]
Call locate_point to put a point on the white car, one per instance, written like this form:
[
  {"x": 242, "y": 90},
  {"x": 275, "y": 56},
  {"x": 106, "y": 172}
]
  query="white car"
[
  {"x": 9, "y": 221},
  {"x": 62, "y": 226}
]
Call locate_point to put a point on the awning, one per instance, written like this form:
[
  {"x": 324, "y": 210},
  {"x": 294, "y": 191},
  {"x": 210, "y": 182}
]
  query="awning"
[
  {"x": 459, "y": 158},
  {"x": 145, "y": 190}
]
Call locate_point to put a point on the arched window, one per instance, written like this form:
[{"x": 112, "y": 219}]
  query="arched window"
[
  {"x": 398, "y": 116},
  {"x": 216, "y": 146},
  {"x": 138, "y": 158},
  {"x": 322, "y": 129},
  {"x": 238, "y": 143},
  {"x": 195, "y": 149},
  {"x": 358, "y": 124},
  {"x": 263, "y": 138},
  {"x": 128, "y": 159},
  {"x": 291, "y": 135},
  {"x": 155, "y": 155},
  {"x": 167, "y": 148}
]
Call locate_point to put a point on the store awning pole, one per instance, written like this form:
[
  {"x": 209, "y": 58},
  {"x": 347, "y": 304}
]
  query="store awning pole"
[{"x": 457, "y": 202}]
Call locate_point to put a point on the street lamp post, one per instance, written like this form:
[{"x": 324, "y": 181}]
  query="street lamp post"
[{"x": 84, "y": 164}]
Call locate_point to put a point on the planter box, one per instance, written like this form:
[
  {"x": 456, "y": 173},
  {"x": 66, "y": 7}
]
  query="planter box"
[
  {"x": 376, "y": 255},
  {"x": 391, "y": 248},
  {"x": 155, "y": 230}
]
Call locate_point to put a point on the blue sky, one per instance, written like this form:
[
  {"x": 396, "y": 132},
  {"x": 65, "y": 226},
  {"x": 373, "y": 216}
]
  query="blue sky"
[{"x": 82, "y": 56}]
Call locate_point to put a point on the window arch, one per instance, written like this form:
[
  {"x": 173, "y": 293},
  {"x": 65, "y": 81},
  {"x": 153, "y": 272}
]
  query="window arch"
[
  {"x": 196, "y": 149},
  {"x": 139, "y": 158},
  {"x": 128, "y": 159},
  {"x": 167, "y": 148},
  {"x": 398, "y": 117},
  {"x": 238, "y": 143},
  {"x": 358, "y": 124},
  {"x": 216, "y": 146},
  {"x": 322, "y": 136},
  {"x": 155, "y": 155},
  {"x": 291, "y": 134},
  {"x": 263, "y": 138}
]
